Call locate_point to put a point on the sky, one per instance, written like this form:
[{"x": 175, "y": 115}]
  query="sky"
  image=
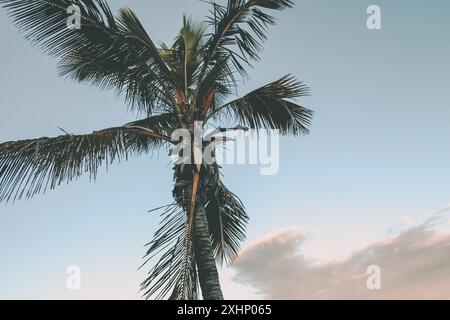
[{"x": 373, "y": 172}]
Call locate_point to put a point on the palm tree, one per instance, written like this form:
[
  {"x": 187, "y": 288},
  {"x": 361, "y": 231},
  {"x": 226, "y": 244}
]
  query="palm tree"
[{"x": 170, "y": 87}]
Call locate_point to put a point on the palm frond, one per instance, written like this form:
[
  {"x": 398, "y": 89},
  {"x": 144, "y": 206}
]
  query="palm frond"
[
  {"x": 150, "y": 80},
  {"x": 227, "y": 220},
  {"x": 107, "y": 51},
  {"x": 271, "y": 107},
  {"x": 239, "y": 28},
  {"x": 187, "y": 55},
  {"x": 163, "y": 123},
  {"x": 218, "y": 84},
  {"x": 29, "y": 167},
  {"x": 174, "y": 275}
]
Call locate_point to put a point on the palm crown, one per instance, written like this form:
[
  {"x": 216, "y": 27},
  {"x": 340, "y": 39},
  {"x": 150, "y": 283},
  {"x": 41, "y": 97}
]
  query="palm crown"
[{"x": 169, "y": 87}]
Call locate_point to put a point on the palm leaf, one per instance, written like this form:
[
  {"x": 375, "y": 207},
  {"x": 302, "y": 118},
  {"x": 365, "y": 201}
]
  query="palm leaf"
[
  {"x": 29, "y": 167},
  {"x": 163, "y": 123},
  {"x": 271, "y": 107},
  {"x": 107, "y": 51},
  {"x": 174, "y": 275},
  {"x": 239, "y": 28},
  {"x": 227, "y": 220},
  {"x": 186, "y": 55},
  {"x": 218, "y": 84}
]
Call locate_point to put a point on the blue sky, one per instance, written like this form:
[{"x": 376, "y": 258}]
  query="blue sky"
[{"x": 379, "y": 149}]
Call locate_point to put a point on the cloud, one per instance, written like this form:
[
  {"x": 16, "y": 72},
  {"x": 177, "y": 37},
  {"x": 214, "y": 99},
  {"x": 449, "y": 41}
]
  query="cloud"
[{"x": 415, "y": 264}]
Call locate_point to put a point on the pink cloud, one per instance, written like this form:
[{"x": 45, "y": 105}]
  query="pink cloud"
[{"x": 414, "y": 265}]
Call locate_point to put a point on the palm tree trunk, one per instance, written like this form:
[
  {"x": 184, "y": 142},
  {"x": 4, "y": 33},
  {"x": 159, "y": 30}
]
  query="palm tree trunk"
[{"x": 206, "y": 264}]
